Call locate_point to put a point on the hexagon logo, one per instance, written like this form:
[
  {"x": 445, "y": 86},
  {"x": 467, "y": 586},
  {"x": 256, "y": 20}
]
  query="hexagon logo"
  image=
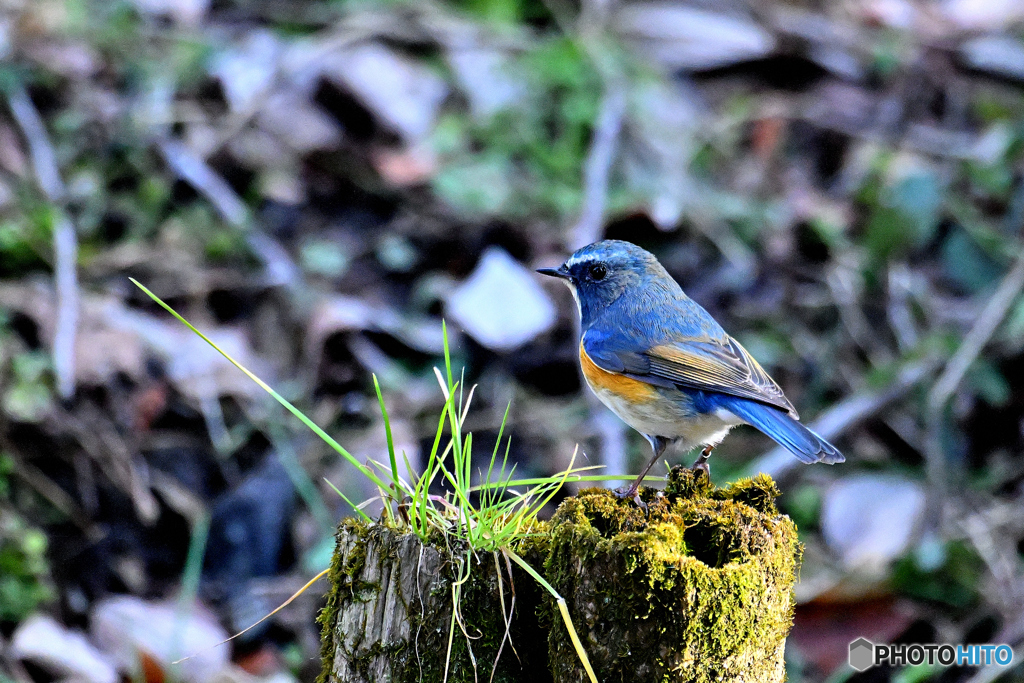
[{"x": 862, "y": 654}]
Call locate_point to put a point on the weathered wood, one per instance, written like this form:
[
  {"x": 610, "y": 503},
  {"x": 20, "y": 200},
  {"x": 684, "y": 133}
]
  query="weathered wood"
[
  {"x": 388, "y": 577},
  {"x": 389, "y": 613}
]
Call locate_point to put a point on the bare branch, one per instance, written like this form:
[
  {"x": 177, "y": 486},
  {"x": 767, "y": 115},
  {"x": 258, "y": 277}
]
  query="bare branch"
[
  {"x": 197, "y": 173},
  {"x": 65, "y": 241},
  {"x": 598, "y": 165},
  {"x": 44, "y": 161}
]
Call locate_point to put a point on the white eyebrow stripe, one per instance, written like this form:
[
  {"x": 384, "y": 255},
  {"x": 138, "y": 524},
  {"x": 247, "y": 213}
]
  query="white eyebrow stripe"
[{"x": 576, "y": 260}]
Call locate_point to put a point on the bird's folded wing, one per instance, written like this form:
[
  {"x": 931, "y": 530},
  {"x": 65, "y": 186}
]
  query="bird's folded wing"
[{"x": 723, "y": 367}]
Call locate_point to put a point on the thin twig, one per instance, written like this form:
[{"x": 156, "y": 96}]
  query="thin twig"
[
  {"x": 44, "y": 161},
  {"x": 65, "y": 252},
  {"x": 988, "y": 321},
  {"x": 55, "y": 495},
  {"x": 65, "y": 241},
  {"x": 598, "y": 166},
  {"x": 197, "y": 173}
]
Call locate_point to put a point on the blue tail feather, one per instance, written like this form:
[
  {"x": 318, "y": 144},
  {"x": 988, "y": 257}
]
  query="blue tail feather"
[{"x": 787, "y": 432}]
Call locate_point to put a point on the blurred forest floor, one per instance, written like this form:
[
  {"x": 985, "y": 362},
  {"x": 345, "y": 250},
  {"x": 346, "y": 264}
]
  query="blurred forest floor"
[{"x": 317, "y": 184}]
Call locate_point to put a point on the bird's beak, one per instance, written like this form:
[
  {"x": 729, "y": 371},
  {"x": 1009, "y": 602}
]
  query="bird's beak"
[{"x": 559, "y": 272}]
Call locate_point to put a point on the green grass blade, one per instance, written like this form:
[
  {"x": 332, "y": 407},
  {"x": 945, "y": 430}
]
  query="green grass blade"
[
  {"x": 365, "y": 471},
  {"x": 467, "y": 455},
  {"x": 488, "y": 497},
  {"x": 362, "y": 515},
  {"x": 447, "y": 352},
  {"x": 554, "y": 489},
  {"x": 387, "y": 431},
  {"x": 562, "y": 607},
  {"x": 572, "y": 476},
  {"x": 535, "y": 481},
  {"x": 393, "y": 461}
]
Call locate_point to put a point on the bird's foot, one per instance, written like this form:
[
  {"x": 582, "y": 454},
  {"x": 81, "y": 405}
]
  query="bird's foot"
[
  {"x": 701, "y": 465},
  {"x": 630, "y": 493}
]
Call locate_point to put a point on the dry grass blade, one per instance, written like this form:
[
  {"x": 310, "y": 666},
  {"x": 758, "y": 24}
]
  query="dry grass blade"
[{"x": 264, "y": 618}]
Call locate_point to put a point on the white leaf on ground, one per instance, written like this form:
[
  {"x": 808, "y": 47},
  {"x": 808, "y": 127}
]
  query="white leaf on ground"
[
  {"x": 71, "y": 59},
  {"x": 42, "y": 641},
  {"x": 869, "y": 520},
  {"x": 681, "y": 37},
  {"x": 658, "y": 147},
  {"x": 236, "y": 674},
  {"x": 125, "y": 627},
  {"x": 298, "y": 122},
  {"x": 259, "y": 148},
  {"x": 183, "y": 12},
  {"x": 246, "y": 71},
  {"x": 899, "y": 14},
  {"x": 483, "y": 76},
  {"x": 1000, "y": 55},
  {"x": 990, "y": 147},
  {"x": 983, "y": 15},
  {"x": 501, "y": 304},
  {"x": 405, "y": 94}
]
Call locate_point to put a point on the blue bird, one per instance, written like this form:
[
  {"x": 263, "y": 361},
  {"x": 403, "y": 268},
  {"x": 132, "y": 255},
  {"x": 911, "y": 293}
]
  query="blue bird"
[{"x": 665, "y": 367}]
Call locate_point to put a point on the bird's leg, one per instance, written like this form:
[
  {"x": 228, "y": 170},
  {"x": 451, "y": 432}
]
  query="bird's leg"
[
  {"x": 659, "y": 444},
  {"x": 702, "y": 462}
]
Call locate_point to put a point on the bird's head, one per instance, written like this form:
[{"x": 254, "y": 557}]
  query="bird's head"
[{"x": 600, "y": 273}]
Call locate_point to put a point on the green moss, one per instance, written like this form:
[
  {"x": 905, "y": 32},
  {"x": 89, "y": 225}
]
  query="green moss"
[{"x": 699, "y": 589}]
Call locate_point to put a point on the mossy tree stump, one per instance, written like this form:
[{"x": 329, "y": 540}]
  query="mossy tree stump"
[{"x": 699, "y": 588}]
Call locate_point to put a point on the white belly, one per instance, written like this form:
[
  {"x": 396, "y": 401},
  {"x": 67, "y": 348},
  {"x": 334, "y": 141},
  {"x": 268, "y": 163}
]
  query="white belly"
[{"x": 671, "y": 420}]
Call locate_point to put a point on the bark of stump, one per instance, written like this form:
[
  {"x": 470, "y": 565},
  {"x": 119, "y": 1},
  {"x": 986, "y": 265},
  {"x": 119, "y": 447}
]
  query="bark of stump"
[
  {"x": 389, "y": 613},
  {"x": 698, "y": 589}
]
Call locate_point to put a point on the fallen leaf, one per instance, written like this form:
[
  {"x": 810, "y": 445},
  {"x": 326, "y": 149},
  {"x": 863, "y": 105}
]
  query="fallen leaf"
[
  {"x": 501, "y": 304},
  {"x": 869, "y": 520},
  {"x": 126, "y": 628},
  {"x": 405, "y": 94},
  {"x": 52, "y": 646},
  {"x": 681, "y": 37}
]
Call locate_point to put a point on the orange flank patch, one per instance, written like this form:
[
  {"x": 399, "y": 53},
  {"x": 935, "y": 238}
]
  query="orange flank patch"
[{"x": 621, "y": 386}]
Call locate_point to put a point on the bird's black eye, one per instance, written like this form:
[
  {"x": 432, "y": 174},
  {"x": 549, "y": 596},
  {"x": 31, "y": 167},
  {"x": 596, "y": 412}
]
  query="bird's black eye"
[{"x": 597, "y": 272}]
